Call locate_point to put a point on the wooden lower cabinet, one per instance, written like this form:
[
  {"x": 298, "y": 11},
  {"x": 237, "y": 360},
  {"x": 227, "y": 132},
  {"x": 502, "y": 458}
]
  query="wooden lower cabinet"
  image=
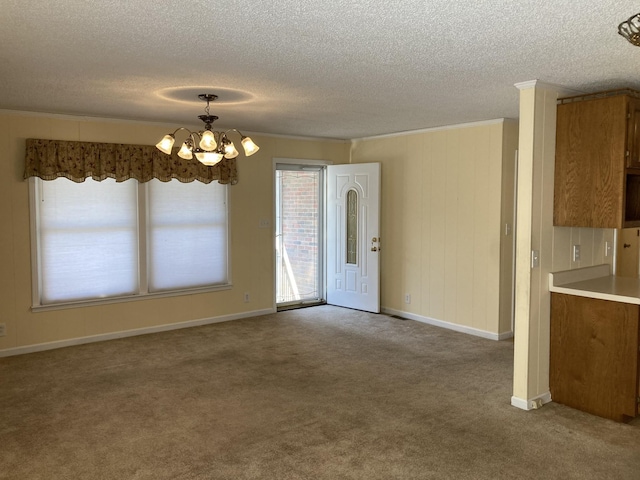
[{"x": 595, "y": 362}]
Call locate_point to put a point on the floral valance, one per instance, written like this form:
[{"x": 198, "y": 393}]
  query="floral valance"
[{"x": 50, "y": 159}]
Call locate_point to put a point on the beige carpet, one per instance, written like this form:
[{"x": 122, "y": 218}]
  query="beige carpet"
[{"x": 317, "y": 393}]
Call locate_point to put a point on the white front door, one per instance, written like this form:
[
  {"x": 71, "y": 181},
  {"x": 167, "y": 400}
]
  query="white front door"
[{"x": 353, "y": 236}]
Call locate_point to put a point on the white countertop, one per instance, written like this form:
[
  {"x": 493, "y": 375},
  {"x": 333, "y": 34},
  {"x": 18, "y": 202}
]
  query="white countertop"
[{"x": 596, "y": 282}]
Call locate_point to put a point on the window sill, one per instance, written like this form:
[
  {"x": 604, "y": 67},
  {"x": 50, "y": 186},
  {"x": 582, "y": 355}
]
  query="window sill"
[{"x": 128, "y": 298}]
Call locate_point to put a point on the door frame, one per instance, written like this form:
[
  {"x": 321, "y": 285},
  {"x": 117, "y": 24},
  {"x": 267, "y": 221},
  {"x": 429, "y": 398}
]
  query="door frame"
[{"x": 321, "y": 211}]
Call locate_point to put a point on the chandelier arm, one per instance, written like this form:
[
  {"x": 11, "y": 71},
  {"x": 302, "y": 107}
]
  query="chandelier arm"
[
  {"x": 181, "y": 128},
  {"x": 234, "y": 130},
  {"x": 193, "y": 136},
  {"x": 190, "y": 134},
  {"x": 223, "y": 141}
]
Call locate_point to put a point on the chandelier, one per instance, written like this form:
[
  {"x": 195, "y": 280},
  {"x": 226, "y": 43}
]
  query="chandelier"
[
  {"x": 631, "y": 30},
  {"x": 209, "y": 147}
]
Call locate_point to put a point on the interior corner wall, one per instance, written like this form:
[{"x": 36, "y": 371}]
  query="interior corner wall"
[
  {"x": 441, "y": 224},
  {"x": 251, "y": 247}
]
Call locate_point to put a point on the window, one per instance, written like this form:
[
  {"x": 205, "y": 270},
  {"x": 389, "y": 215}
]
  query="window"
[
  {"x": 99, "y": 240},
  {"x": 187, "y": 234},
  {"x": 352, "y": 227}
]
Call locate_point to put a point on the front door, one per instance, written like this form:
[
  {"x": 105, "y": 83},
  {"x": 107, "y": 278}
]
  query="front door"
[{"x": 353, "y": 236}]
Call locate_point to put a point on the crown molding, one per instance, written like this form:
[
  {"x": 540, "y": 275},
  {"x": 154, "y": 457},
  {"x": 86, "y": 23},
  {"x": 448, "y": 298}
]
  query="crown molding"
[
  {"x": 435, "y": 129},
  {"x": 85, "y": 118},
  {"x": 560, "y": 89}
]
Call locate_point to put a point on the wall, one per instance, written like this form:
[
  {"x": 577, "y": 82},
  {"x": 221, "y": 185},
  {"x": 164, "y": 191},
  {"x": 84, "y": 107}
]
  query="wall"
[
  {"x": 446, "y": 196},
  {"x": 252, "y": 250}
]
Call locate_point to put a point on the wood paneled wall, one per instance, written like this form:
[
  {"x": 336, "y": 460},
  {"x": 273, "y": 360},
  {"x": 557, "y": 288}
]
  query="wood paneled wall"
[{"x": 443, "y": 222}]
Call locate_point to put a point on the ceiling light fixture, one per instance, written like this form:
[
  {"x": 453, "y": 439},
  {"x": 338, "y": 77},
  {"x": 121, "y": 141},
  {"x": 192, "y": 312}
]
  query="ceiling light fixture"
[
  {"x": 631, "y": 30},
  {"x": 209, "y": 147}
]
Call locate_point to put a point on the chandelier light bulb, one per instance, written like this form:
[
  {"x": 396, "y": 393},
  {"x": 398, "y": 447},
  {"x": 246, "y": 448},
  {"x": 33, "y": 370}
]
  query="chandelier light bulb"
[
  {"x": 166, "y": 144},
  {"x": 230, "y": 151},
  {"x": 208, "y": 141},
  {"x": 249, "y": 147},
  {"x": 185, "y": 151}
]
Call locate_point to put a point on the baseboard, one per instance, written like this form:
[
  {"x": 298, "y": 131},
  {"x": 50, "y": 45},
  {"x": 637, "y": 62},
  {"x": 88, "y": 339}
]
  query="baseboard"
[
  {"x": 40, "y": 347},
  {"x": 505, "y": 335},
  {"x": 531, "y": 404},
  {"x": 448, "y": 325}
]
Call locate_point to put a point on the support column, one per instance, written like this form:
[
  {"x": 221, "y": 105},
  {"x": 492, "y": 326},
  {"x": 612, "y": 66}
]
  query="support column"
[{"x": 534, "y": 232}]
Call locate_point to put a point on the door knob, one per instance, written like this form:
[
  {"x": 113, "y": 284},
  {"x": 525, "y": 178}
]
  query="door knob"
[{"x": 627, "y": 245}]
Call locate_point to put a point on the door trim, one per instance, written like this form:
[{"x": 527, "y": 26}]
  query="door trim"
[{"x": 321, "y": 210}]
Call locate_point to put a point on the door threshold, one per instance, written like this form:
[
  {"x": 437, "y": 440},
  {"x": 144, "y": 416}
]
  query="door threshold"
[{"x": 294, "y": 306}]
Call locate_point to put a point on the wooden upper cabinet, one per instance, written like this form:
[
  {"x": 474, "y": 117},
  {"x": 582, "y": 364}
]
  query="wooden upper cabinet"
[
  {"x": 597, "y": 150},
  {"x": 633, "y": 159}
]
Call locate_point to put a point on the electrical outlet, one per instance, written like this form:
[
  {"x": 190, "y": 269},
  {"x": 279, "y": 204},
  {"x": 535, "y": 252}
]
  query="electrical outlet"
[
  {"x": 576, "y": 253},
  {"x": 247, "y": 298},
  {"x": 264, "y": 223},
  {"x": 407, "y": 298},
  {"x": 3, "y": 329}
]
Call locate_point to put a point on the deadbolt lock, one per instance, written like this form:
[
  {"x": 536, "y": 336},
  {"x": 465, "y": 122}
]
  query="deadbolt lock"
[{"x": 373, "y": 247}]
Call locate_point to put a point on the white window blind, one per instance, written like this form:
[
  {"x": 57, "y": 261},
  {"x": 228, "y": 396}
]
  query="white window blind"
[
  {"x": 88, "y": 239},
  {"x": 187, "y": 234},
  {"x": 89, "y": 246}
]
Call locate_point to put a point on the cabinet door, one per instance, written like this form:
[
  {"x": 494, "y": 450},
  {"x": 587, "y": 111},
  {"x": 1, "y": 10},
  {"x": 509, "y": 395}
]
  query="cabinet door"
[
  {"x": 633, "y": 140},
  {"x": 590, "y": 167},
  {"x": 594, "y": 356}
]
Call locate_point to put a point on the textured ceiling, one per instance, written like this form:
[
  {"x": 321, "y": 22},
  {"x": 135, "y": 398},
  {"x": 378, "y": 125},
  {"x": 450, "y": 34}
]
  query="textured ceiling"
[{"x": 331, "y": 68}]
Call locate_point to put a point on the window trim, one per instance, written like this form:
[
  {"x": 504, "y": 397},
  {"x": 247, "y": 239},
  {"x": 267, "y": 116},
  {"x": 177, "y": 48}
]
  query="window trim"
[{"x": 143, "y": 291}]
